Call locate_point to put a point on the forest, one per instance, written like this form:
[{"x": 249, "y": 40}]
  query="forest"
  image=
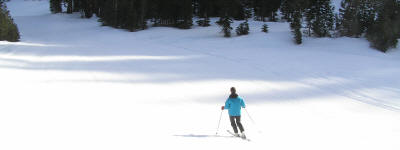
[{"x": 376, "y": 20}]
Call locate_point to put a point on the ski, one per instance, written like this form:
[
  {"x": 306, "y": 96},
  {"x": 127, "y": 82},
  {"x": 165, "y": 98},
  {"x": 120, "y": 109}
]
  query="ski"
[{"x": 233, "y": 134}]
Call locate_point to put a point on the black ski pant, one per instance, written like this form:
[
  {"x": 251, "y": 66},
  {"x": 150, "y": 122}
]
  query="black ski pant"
[{"x": 235, "y": 122}]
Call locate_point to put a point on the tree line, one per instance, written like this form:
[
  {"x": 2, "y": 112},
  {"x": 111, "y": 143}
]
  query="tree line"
[
  {"x": 8, "y": 29},
  {"x": 134, "y": 14},
  {"x": 376, "y": 20}
]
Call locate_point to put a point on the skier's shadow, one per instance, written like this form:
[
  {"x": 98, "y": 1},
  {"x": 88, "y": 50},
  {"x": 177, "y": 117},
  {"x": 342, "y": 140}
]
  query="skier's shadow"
[{"x": 203, "y": 136}]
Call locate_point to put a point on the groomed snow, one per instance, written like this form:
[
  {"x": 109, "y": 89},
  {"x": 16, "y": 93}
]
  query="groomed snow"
[{"x": 75, "y": 85}]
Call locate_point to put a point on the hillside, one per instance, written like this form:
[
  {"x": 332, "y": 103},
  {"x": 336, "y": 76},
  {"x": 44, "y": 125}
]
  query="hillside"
[{"x": 105, "y": 88}]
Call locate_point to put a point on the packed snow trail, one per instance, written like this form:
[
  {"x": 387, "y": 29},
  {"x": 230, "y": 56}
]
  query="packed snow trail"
[{"x": 73, "y": 84}]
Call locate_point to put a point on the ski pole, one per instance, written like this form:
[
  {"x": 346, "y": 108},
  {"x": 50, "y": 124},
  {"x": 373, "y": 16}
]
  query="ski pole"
[
  {"x": 220, "y": 116},
  {"x": 252, "y": 120},
  {"x": 249, "y": 116}
]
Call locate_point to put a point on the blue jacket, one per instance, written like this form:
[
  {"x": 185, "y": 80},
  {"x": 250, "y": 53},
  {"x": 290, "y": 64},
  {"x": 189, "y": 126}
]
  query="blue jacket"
[{"x": 234, "y": 105}]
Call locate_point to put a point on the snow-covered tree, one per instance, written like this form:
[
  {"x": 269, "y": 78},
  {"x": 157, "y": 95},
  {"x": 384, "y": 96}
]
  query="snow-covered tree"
[
  {"x": 264, "y": 28},
  {"x": 204, "y": 22},
  {"x": 243, "y": 29},
  {"x": 320, "y": 18},
  {"x": 225, "y": 23},
  {"x": 356, "y": 16}
]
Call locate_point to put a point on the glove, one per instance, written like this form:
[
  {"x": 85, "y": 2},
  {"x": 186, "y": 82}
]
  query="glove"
[{"x": 223, "y": 107}]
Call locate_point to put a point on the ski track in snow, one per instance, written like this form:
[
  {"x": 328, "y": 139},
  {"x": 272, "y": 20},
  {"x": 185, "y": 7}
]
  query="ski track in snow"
[
  {"x": 349, "y": 92},
  {"x": 161, "y": 88}
]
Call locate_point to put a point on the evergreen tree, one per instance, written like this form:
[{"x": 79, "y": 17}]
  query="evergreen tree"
[
  {"x": 290, "y": 6},
  {"x": 397, "y": 20},
  {"x": 272, "y": 8},
  {"x": 87, "y": 7},
  {"x": 384, "y": 33},
  {"x": 232, "y": 8},
  {"x": 207, "y": 8},
  {"x": 108, "y": 13},
  {"x": 243, "y": 29},
  {"x": 132, "y": 15},
  {"x": 260, "y": 10},
  {"x": 75, "y": 5},
  {"x": 293, "y": 11},
  {"x": 55, "y": 6},
  {"x": 247, "y": 9},
  {"x": 266, "y": 8},
  {"x": 176, "y": 13},
  {"x": 236, "y": 9},
  {"x": 225, "y": 23},
  {"x": 287, "y": 10},
  {"x": 205, "y": 22},
  {"x": 8, "y": 29},
  {"x": 295, "y": 25},
  {"x": 69, "y": 4},
  {"x": 320, "y": 18},
  {"x": 367, "y": 14},
  {"x": 203, "y": 10},
  {"x": 264, "y": 28},
  {"x": 337, "y": 26},
  {"x": 185, "y": 14},
  {"x": 356, "y": 16}
]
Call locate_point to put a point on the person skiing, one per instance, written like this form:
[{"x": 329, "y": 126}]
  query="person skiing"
[{"x": 234, "y": 105}]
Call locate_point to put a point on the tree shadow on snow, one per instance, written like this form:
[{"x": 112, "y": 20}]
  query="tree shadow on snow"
[{"x": 176, "y": 64}]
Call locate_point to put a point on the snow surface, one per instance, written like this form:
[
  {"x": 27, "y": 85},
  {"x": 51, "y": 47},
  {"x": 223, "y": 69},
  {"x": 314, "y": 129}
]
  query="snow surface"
[{"x": 73, "y": 84}]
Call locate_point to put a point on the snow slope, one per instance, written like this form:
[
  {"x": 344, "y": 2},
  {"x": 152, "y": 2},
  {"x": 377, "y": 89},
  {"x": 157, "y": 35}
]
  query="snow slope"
[{"x": 72, "y": 84}]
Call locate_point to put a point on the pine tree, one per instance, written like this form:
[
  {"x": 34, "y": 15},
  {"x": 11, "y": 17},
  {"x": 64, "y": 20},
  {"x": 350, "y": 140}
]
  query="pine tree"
[
  {"x": 109, "y": 14},
  {"x": 266, "y": 8},
  {"x": 135, "y": 19},
  {"x": 75, "y": 5},
  {"x": 207, "y": 8},
  {"x": 260, "y": 10},
  {"x": 175, "y": 13},
  {"x": 69, "y": 6},
  {"x": 87, "y": 7},
  {"x": 273, "y": 7},
  {"x": 142, "y": 20},
  {"x": 397, "y": 19},
  {"x": 264, "y": 28},
  {"x": 236, "y": 9},
  {"x": 247, "y": 9},
  {"x": 367, "y": 14},
  {"x": 243, "y": 29},
  {"x": 356, "y": 16},
  {"x": 320, "y": 18},
  {"x": 295, "y": 25},
  {"x": 205, "y": 22},
  {"x": 290, "y": 6},
  {"x": 8, "y": 29},
  {"x": 286, "y": 10},
  {"x": 337, "y": 26},
  {"x": 55, "y": 6},
  {"x": 202, "y": 9},
  {"x": 384, "y": 33},
  {"x": 185, "y": 16},
  {"x": 225, "y": 23}
]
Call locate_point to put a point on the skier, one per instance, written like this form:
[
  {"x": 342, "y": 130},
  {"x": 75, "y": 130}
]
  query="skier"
[{"x": 234, "y": 104}]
